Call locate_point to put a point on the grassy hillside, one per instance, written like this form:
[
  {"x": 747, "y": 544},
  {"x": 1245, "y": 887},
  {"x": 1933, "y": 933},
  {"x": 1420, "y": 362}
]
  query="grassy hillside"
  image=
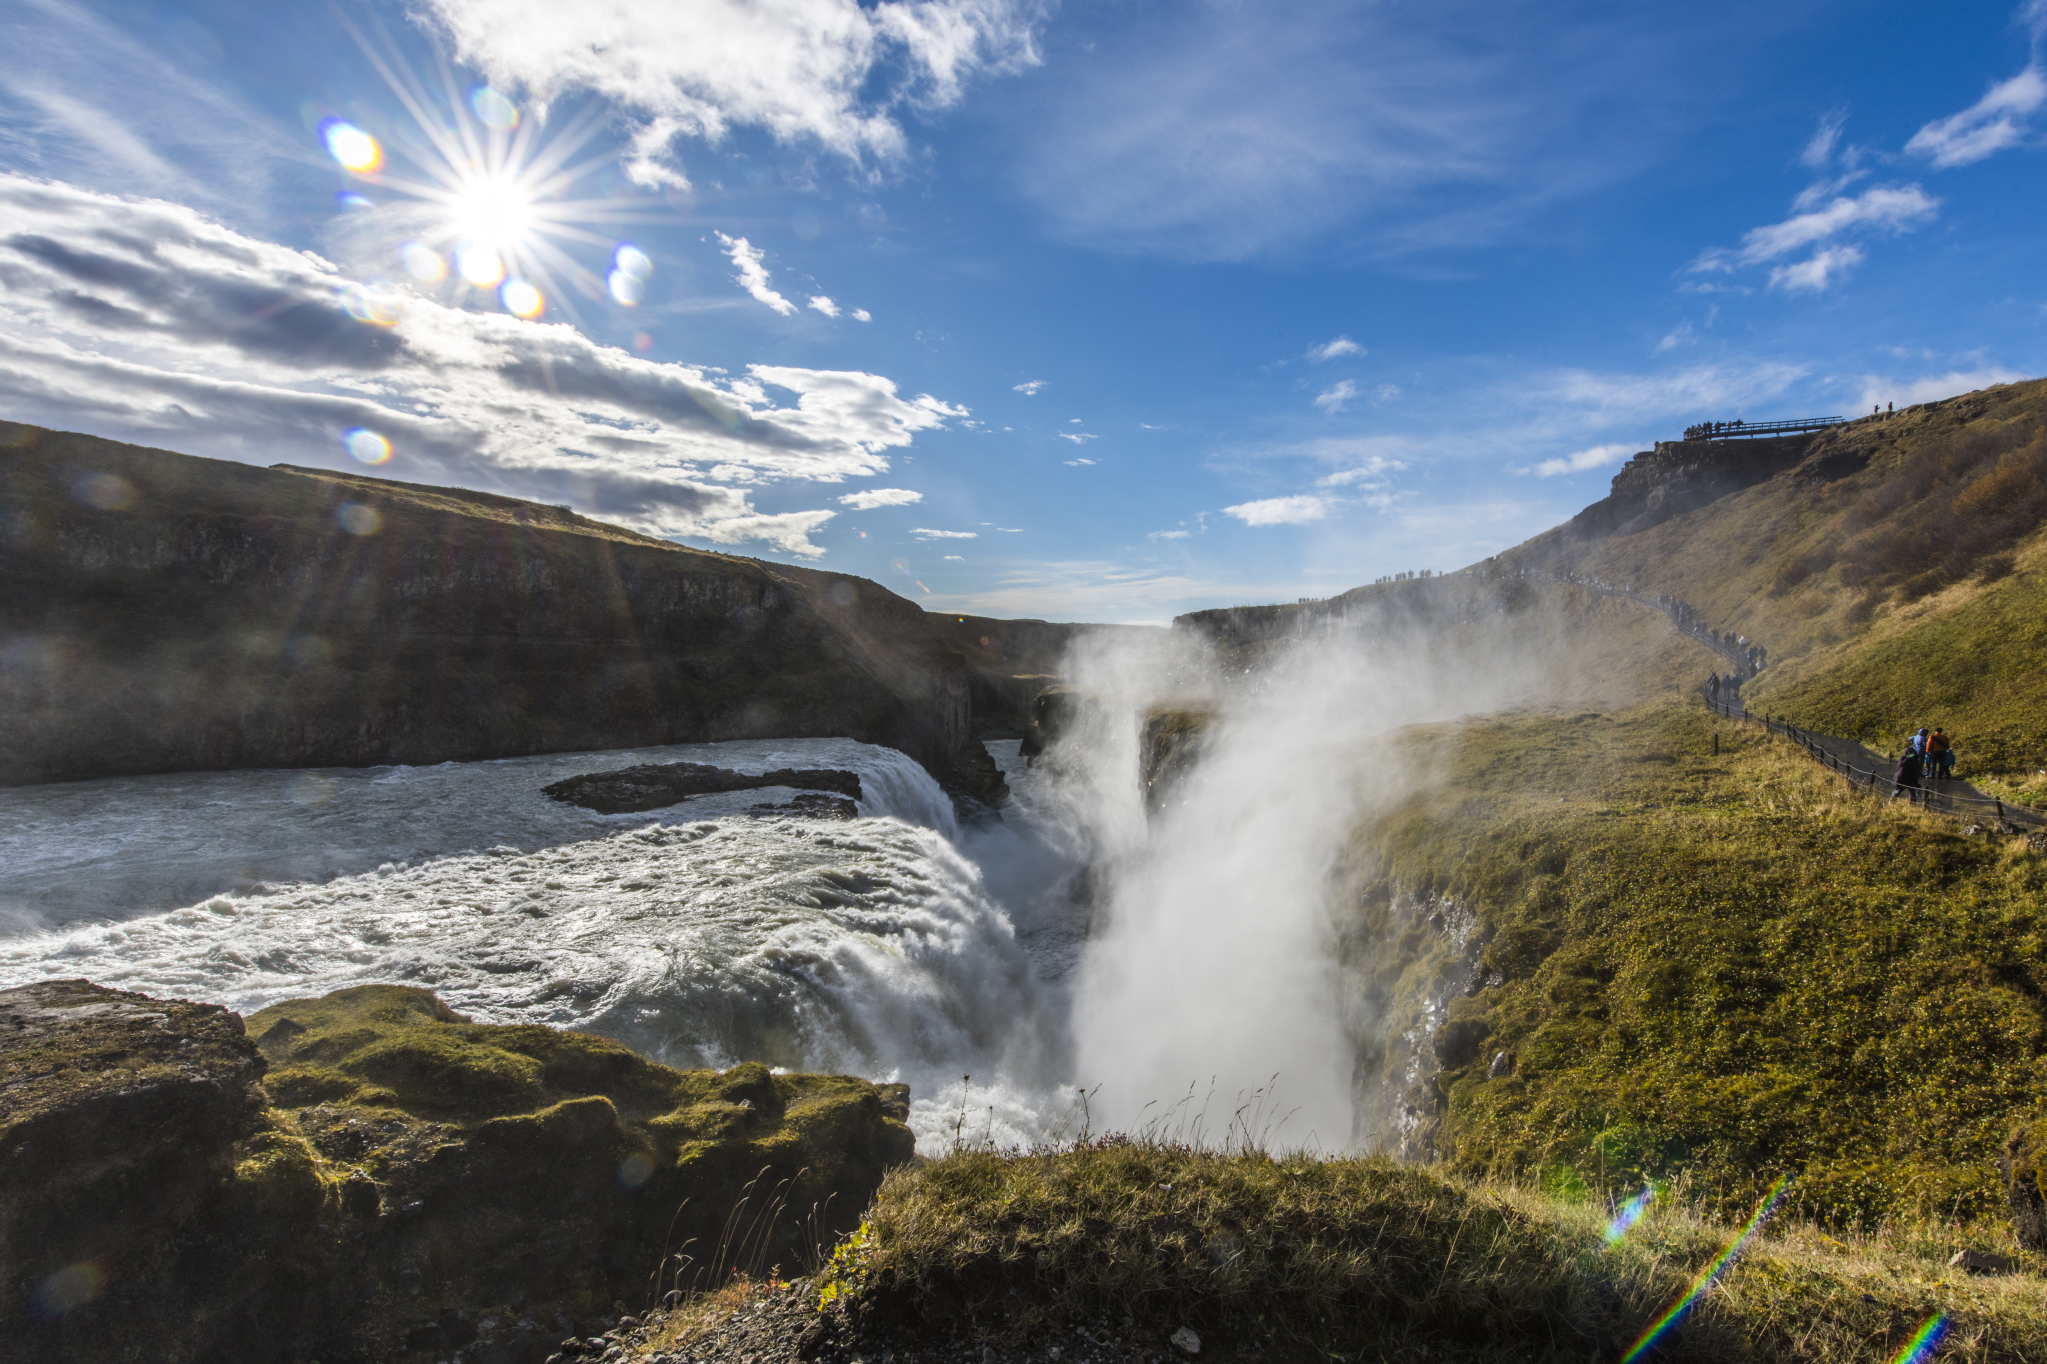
[
  {"x": 1895, "y": 574},
  {"x": 1710, "y": 968}
]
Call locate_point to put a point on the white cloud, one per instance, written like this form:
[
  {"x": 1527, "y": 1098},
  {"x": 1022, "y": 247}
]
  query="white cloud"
[
  {"x": 1370, "y": 474},
  {"x": 753, "y": 276},
  {"x": 1030, "y": 388},
  {"x": 1820, "y": 148},
  {"x": 1078, "y": 437},
  {"x": 955, "y": 558},
  {"x": 147, "y": 321},
  {"x": 821, "y": 304},
  {"x": 1987, "y": 127},
  {"x": 924, "y": 533},
  {"x": 788, "y": 531},
  {"x": 1883, "y": 208},
  {"x": 1680, "y": 335},
  {"x": 870, "y": 498},
  {"x": 1280, "y": 511},
  {"x": 1932, "y": 387},
  {"x": 1814, "y": 275},
  {"x": 1334, "y": 398},
  {"x": 827, "y": 71},
  {"x": 1596, "y": 457},
  {"x": 1169, "y": 534},
  {"x": 1077, "y": 463},
  {"x": 1575, "y": 398},
  {"x": 1388, "y": 393},
  {"x": 862, "y": 315},
  {"x": 1330, "y": 350}
]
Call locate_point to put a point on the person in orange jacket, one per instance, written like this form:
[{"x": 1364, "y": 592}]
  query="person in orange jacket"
[{"x": 1940, "y": 755}]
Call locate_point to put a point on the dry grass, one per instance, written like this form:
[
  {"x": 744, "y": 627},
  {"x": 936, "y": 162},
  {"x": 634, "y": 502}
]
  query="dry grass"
[{"x": 1369, "y": 1259}]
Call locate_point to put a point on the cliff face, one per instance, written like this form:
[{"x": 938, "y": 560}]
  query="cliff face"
[
  {"x": 1680, "y": 476},
  {"x": 162, "y": 613}
]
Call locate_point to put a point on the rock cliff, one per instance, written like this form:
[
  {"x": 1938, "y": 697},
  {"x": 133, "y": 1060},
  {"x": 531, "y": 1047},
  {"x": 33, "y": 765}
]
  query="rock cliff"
[
  {"x": 371, "y": 1176},
  {"x": 160, "y": 612}
]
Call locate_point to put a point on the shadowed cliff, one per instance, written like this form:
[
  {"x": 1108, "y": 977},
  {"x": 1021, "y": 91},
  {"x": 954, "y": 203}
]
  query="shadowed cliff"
[{"x": 160, "y": 612}]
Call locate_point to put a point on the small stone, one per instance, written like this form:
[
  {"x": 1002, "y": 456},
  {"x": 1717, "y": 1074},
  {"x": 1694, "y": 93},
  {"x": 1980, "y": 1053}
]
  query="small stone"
[
  {"x": 1186, "y": 1340},
  {"x": 1982, "y": 1262},
  {"x": 1052, "y": 1353}
]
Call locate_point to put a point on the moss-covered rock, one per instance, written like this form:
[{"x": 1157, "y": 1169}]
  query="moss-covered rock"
[
  {"x": 373, "y": 1175},
  {"x": 2025, "y": 1174}
]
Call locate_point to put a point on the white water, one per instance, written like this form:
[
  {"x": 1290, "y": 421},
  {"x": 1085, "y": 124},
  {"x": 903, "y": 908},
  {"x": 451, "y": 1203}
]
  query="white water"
[{"x": 700, "y": 934}]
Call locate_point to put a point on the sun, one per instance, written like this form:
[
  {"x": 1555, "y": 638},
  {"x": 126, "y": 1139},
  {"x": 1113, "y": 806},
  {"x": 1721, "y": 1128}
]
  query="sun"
[{"x": 486, "y": 194}]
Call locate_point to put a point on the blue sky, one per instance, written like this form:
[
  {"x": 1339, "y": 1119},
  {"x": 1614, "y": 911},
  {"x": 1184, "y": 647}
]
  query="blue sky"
[{"x": 1084, "y": 311}]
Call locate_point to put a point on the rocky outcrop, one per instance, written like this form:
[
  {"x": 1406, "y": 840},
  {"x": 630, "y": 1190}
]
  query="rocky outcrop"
[
  {"x": 1678, "y": 476},
  {"x": 164, "y": 613},
  {"x": 371, "y": 1176},
  {"x": 1170, "y": 748},
  {"x": 2024, "y": 1167},
  {"x": 654, "y": 786}
]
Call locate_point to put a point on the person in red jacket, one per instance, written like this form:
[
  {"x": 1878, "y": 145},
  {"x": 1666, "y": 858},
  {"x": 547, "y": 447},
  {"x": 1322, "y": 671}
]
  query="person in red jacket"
[{"x": 1940, "y": 755}]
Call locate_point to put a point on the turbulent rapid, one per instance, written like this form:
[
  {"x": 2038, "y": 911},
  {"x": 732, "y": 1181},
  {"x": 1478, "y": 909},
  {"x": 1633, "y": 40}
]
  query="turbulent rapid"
[{"x": 702, "y": 934}]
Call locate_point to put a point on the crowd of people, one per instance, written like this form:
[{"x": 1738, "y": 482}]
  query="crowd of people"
[{"x": 1930, "y": 756}]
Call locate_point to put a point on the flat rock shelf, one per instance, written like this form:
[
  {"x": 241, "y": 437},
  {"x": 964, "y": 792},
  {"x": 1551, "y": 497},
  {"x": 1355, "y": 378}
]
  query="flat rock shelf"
[{"x": 657, "y": 785}]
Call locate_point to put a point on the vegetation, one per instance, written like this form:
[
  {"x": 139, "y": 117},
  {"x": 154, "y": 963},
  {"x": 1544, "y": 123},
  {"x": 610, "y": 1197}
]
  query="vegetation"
[
  {"x": 1895, "y": 574},
  {"x": 1711, "y": 969},
  {"x": 1374, "y": 1259}
]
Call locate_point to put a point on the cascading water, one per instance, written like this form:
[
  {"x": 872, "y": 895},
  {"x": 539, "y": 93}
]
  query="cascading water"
[
  {"x": 1085, "y": 942},
  {"x": 702, "y": 934}
]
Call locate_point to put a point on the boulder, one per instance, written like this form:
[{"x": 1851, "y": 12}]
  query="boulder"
[{"x": 652, "y": 786}]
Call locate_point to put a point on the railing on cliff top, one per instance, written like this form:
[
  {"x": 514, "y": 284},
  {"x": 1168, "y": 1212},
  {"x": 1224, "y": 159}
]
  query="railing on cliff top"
[
  {"x": 1935, "y": 794},
  {"x": 1741, "y": 430},
  {"x": 1958, "y": 800}
]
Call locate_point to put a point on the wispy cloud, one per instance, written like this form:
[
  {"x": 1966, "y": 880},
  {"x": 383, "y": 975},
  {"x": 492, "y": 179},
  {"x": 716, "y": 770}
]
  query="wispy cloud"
[
  {"x": 1330, "y": 350},
  {"x": 870, "y": 498},
  {"x": 1077, "y": 463},
  {"x": 753, "y": 276},
  {"x": 1226, "y": 131},
  {"x": 1336, "y": 397},
  {"x": 1280, "y": 511},
  {"x": 1370, "y": 474},
  {"x": 1030, "y": 388},
  {"x": 1933, "y": 387},
  {"x": 803, "y": 70},
  {"x": 1880, "y": 209},
  {"x": 925, "y": 533},
  {"x": 1680, "y": 335},
  {"x": 1078, "y": 437},
  {"x": 1999, "y": 120}
]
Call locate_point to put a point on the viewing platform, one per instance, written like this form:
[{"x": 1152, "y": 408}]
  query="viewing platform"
[{"x": 1741, "y": 430}]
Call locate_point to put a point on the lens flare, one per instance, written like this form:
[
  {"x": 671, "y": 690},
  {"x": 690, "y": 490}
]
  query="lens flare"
[
  {"x": 108, "y": 492},
  {"x": 71, "y": 1287},
  {"x": 630, "y": 260},
  {"x": 366, "y": 445},
  {"x": 1629, "y": 1214},
  {"x": 625, "y": 289},
  {"x": 494, "y": 109},
  {"x": 351, "y": 146},
  {"x": 1661, "y": 1326},
  {"x": 1925, "y": 1342},
  {"x": 372, "y": 304},
  {"x": 521, "y": 299},
  {"x": 423, "y": 263},
  {"x": 357, "y": 519},
  {"x": 479, "y": 264}
]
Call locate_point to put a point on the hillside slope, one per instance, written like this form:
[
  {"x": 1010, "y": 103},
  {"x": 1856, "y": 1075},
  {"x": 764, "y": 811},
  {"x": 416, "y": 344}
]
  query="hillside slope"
[
  {"x": 160, "y": 612},
  {"x": 1893, "y": 568}
]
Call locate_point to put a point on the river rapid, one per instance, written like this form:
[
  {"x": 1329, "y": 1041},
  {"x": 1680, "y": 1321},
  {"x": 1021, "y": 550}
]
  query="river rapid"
[{"x": 897, "y": 945}]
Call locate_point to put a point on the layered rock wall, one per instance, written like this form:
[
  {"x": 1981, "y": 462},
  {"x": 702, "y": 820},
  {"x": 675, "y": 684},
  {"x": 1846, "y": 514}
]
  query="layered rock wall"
[{"x": 162, "y": 613}]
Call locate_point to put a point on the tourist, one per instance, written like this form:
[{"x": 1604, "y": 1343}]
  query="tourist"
[
  {"x": 1919, "y": 744},
  {"x": 1907, "y": 773},
  {"x": 1940, "y": 754}
]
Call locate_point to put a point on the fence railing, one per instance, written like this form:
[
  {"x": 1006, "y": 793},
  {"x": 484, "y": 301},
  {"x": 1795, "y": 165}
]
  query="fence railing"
[
  {"x": 1937, "y": 794},
  {"x": 1740, "y": 430}
]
